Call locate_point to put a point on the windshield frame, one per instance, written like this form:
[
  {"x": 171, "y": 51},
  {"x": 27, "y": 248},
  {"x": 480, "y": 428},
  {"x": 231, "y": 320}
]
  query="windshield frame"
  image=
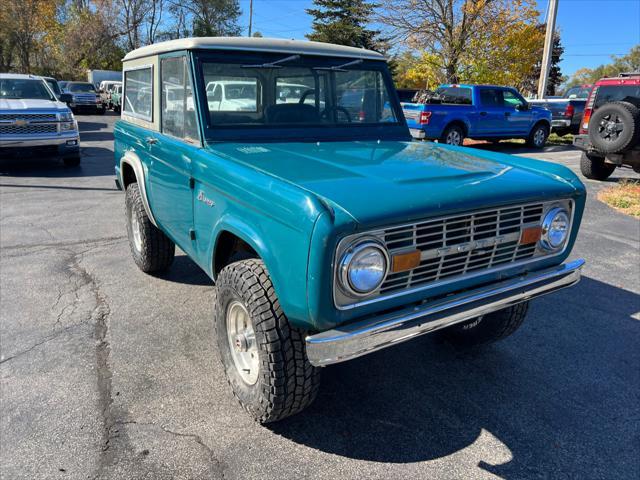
[{"x": 397, "y": 130}]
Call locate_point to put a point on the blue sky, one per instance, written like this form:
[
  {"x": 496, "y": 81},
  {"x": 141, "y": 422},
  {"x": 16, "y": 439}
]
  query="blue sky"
[{"x": 591, "y": 30}]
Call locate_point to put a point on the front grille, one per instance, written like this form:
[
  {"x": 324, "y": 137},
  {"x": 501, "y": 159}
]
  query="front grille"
[
  {"x": 458, "y": 245},
  {"x": 32, "y": 117},
  {"x": 30, "y": 129}
]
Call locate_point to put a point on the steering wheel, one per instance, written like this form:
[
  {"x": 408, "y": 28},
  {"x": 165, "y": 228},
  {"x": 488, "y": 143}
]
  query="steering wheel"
[
  {"x": 324, "y": 112},
  {"x": 304, "y": 96}
]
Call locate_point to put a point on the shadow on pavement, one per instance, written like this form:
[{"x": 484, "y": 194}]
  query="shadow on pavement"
[
  {"x": 96, "y": 161},
  {"x": 556, "y": 395},
  {"x": 514, "y": 147},
  {"x": 184, "y": 270},
  {"x": 86, "y": 136},
  {"x": 85, "y": 126}
]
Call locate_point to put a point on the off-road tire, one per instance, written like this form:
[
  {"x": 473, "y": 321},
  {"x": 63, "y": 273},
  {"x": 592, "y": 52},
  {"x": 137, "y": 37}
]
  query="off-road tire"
[
  {"x": 488, "y": 328},
  {"x": 533, "y": 138},
  {"x": 594, "y": 167},
  {"x": 450, "y": 130},
  {"x": 287, "y": 383},
  {"x": 157, "y": 250},
  {"x": 72, "y": 161},
  {"x": 629, "y": 116}
]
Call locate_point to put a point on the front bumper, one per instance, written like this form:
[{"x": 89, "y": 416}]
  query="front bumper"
[
  {"x": 366, "y": 336},
  {"x": 67, "y": 144}
]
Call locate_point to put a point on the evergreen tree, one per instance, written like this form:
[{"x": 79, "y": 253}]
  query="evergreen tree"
[{"x": 344, "y": 22}]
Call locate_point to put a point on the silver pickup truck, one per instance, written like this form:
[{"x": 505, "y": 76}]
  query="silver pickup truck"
[{"x": 34, "y": 123}]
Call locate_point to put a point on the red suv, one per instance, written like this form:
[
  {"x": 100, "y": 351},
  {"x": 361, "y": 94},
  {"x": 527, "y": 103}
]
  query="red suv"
[{"x": 610, "y": 128}]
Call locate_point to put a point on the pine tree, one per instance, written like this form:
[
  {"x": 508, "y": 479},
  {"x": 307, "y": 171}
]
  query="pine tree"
[{"x": 343, "y": 22}]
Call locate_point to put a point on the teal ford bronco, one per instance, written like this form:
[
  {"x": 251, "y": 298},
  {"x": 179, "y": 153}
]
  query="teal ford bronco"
[{"x": 286, "y": 171}]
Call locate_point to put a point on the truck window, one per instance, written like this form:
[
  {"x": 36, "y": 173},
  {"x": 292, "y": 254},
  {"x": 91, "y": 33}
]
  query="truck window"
[
  {"x": 510, "y": 99},
  {"x": 618, "y": 93},
  {"x": 454, "y": 95},
  {"x": 138, "y": 93},
  {"x": 364, "y": 96},
  {"x": 178, "y": 108},
  {"x": 491, "y": 97}
]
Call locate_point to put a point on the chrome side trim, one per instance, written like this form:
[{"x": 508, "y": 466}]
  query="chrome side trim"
[{"x": 366, "y": 336}]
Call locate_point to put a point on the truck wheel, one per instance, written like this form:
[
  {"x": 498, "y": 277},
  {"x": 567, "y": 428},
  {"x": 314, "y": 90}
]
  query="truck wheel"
[
  {"x": 263, "y": 356},
  {"x": 538, "y": 136},
  {"x": 614, "y": 127},
  {"x": 452, "y": 135},
  {"x": 488, "y": 328},
  {"x": 72, "y": 161},
  {"x": 594, "y": 167},
  {"x": 151, "y": 249}
]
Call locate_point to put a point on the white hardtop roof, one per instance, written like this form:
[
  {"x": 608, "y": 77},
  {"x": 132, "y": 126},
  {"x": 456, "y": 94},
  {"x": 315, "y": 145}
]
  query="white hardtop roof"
[
  {"x": 256, "y": 45},
  {"x": 20, "y": 76}
]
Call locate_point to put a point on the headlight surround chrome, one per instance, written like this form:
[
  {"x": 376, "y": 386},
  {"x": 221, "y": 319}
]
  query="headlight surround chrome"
[
  {"x": 363, "y": 267},
  {"x": 65, "y": 117},
  {"x": 556, "y": 226}
]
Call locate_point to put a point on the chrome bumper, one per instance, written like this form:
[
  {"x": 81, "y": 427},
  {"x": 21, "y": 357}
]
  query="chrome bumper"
[
  {"x": 560, "y": 123},
  {"x": 366, "y": 336},
  {"x": 40, "y": 141}
]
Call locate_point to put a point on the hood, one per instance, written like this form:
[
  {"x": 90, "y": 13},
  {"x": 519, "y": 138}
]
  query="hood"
[
  {"x": 14, "y": 105},
  {"x": 380, "y": 182}
]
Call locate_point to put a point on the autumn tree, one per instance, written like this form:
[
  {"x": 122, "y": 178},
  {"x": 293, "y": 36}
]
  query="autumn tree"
[
  {"x": 469, "y": 40},
  {"x": 344, "y": 22}
]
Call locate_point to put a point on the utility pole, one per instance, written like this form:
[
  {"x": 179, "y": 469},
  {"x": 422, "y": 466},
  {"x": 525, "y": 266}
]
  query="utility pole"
[
  {"x": 548, "y": 48},
  {"x": 250, "y": 15}
]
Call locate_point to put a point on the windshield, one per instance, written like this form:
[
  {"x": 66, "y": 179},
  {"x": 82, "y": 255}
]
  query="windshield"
[
  {"x": 296, "y": 92},
  {"x": 53, "y": 85},
  {"x": 81, "y": 88},
  {"x": 11, "y": 88},
  {"x": 578, "y": 92}
]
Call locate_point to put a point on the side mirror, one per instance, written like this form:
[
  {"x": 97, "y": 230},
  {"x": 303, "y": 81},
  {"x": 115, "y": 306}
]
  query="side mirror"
[
  {"x": 66, "y": 97},
  {"x": 522, "y": 107}
]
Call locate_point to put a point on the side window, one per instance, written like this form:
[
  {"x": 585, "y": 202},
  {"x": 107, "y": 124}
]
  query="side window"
[
  {"x": 178, "y": 107},
  {"x": 455, "y": 95},
  {"x": 138, "y": 93},
  {"x": 362, "y": 98},
  {"x": 491, "y": 97},
  {"x": 511, "y": 99}
]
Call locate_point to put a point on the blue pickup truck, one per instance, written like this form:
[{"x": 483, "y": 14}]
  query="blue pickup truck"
[{"x": 484, "y": 112}]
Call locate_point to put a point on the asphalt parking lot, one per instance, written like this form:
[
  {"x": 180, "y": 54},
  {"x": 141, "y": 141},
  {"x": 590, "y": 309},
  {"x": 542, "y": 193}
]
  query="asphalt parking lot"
[{"x": 109, "y": 373}]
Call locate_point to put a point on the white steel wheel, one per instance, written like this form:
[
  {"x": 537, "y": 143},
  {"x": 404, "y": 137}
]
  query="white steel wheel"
[
  {"x": 137, "y": 235},
  {"x": 242, "y": 342}
]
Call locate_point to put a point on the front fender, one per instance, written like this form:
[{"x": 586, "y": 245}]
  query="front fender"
[{"x": 131, "y": 159}]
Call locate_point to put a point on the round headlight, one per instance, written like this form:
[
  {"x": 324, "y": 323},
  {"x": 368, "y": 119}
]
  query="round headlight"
[
  {"x": 363, "y": 268},
  {"x": 555, "y": 228}
]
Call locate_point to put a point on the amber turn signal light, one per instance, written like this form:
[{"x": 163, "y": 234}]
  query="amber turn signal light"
[
  {"x": 401, "y": 262},
  {"x": 530, "y": 235}
]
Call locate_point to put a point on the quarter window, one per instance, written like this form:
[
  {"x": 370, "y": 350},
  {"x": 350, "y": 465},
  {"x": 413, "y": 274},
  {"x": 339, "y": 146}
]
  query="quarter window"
[
  {"x": 138, "y": 93},
  {"x": 178, "y": 107}
]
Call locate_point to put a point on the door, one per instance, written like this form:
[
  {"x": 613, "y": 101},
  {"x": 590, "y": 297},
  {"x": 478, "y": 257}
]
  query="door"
[
  {"x": 492, "y": 114},
  {"x": 172, "y": 151},
  {"x": 517, "y": 113}
]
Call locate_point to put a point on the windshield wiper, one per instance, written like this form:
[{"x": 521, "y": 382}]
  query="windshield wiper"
[
  {"x": 273, "y": 64},
  {"x": 339, "y": 68}
]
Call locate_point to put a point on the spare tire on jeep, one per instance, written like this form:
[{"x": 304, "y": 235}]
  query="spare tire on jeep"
[{"x": 614, "y": 127}]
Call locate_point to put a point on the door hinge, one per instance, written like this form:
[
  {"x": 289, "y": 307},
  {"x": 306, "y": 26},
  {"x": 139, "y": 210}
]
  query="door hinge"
[
  {"x": 192, "y": 234},
  {"x": 192, "y": 183}
]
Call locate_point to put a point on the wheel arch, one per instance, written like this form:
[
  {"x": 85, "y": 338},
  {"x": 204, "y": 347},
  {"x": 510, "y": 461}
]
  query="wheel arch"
[
  {"x": 458, "y": 122},
  {"x": 132, "y": 171}
]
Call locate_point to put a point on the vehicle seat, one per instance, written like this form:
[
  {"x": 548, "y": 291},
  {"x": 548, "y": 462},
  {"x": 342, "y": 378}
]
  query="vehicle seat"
[{"x": 291, "y": 113}]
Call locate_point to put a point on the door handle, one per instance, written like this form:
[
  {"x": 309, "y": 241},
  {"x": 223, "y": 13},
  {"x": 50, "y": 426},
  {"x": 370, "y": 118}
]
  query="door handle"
[
  {"x": 151, "y": 140},
  {"x": 484, "y": 114}
]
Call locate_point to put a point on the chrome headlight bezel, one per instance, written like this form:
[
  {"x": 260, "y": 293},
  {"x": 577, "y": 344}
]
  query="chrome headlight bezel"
[
  {"x": 350, "y": 255},
  {"x": 65, "y": 116},
  {"x": 555, "y": 214}
]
